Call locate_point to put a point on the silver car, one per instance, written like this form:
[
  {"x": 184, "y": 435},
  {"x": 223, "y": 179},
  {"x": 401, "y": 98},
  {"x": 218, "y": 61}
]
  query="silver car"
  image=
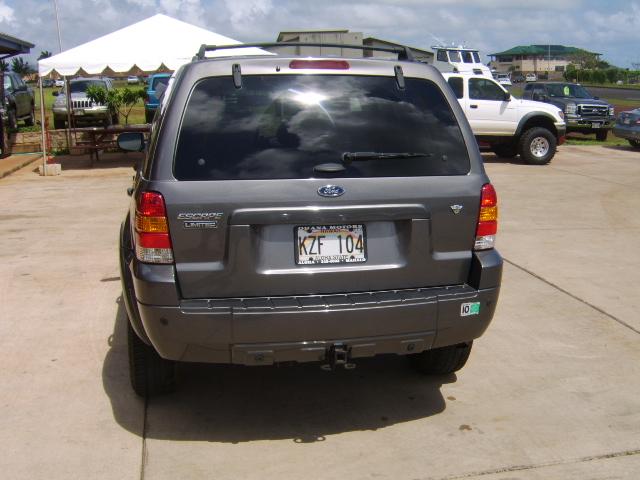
[{"x": 85, "y": 111}]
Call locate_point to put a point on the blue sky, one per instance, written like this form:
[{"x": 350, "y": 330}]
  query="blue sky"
[{"x": 608, "y": 27}]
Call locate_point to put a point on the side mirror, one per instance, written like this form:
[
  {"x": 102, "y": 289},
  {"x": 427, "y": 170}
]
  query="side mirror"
[
  {"x": 131, "y": 141},
  {"x": 55, "y": 93},
  {"x": 507, "y": 97}
]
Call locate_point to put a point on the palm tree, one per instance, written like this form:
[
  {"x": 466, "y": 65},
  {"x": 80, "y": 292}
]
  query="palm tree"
[
  {"x": 20, "y": 66},
  {"x": 4, "y": 66},
  {"x": 44, "y": 54}
]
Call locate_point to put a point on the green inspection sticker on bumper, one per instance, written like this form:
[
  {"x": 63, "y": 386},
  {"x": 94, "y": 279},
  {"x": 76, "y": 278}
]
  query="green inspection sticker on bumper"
[{"x": 467, "y": 309}]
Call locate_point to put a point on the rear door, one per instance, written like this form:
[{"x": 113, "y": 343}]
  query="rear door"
[{"x": 278, "y": 192}]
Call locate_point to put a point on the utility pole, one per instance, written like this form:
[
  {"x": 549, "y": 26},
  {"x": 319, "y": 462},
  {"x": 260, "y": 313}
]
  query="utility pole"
[
  {"x": 55, "y": 7},
  {"x": 66, "y": 80}
]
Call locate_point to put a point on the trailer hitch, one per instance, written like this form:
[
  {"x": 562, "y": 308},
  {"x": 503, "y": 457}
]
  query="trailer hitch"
[{"x": 338, "y": 354}]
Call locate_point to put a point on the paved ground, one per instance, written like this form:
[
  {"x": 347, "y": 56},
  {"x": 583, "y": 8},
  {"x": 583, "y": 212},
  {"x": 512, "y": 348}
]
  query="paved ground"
[{"x": 551, "y": 391}]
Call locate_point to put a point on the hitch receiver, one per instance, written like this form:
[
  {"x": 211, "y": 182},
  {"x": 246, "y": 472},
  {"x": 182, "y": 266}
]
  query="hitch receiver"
[{"x": 338, "y": 354}]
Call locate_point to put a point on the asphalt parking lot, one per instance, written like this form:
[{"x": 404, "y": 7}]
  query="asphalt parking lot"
[{"x": 551, "y": 391}]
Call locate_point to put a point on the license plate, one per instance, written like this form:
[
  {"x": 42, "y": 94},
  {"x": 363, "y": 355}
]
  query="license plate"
[
  {"x": 325, "y": 244},
  {"x": 595, "y": 125}
]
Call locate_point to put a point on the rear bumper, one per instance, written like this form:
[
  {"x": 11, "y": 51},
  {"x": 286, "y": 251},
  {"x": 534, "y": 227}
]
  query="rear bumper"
[{"x": 267, "y": 330}]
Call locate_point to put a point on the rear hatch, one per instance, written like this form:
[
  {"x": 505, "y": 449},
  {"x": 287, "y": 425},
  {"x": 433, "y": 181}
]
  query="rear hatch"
[{"x": 281, "y": 189}]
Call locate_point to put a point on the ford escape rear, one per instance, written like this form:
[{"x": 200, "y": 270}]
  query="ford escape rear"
[{"x": 307, "y": 210}]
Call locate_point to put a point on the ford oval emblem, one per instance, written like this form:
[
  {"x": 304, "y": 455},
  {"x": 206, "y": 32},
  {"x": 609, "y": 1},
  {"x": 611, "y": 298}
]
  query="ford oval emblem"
[{"x": 331, "y": 191}]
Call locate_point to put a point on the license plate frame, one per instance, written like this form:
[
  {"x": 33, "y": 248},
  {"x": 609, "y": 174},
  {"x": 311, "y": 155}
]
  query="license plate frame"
[
  {"x": 357, "y": 255},
  {"x": 596, "y": 125}
]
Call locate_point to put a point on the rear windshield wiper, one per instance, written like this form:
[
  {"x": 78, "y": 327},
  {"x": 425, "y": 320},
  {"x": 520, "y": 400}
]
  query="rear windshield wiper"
[{"x": 348, "y": 157}]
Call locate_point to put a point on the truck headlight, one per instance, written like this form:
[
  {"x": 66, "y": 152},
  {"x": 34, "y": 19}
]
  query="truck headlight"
[
  {"x": 570, "y": 108},
  {"x": 612, "y": 111}
]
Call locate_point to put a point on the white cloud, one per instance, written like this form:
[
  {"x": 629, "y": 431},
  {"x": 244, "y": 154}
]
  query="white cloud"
[
  {"x": 6, "y": 13},
  {"x": 612, "y": 27}
]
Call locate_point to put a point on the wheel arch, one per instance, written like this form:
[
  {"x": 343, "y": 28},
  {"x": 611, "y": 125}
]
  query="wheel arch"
[
  {"x": 128, "y": 293},
  {"x": 537, "y": 119}
]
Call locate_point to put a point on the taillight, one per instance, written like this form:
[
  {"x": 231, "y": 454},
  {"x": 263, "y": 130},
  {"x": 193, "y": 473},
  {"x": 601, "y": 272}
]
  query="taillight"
[
  {"x": 153, "y": 244},
  {"x": 487, "y": 219}
]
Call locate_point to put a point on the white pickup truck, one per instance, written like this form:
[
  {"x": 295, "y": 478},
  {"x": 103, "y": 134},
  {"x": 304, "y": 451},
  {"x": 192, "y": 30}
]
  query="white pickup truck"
[{"x": 509, "y": 126}]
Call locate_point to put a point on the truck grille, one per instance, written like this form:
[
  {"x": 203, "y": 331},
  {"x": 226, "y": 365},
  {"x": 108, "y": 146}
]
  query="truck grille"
[
  {"x": 593, "y": 110},
  {"x": 82, "y": 103}
]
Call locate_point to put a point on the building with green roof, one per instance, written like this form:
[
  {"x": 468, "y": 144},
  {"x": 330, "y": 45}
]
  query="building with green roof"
[{"x": 536, "y": 58}]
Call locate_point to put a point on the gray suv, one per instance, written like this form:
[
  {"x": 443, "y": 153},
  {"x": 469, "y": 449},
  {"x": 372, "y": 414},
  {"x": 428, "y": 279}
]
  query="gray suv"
[{"x": 307, "y": 210}]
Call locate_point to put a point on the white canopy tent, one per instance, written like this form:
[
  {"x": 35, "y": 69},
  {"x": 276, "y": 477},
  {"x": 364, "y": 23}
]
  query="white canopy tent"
[{"x": 148, "y": 45}]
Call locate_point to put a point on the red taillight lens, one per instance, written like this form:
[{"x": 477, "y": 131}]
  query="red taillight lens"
[
  {"x": 151, "y": 204},
  {"x": 153, "y": 244},
  {"x": 319, "y": 64},
  {"x": 487, "y": 218}
]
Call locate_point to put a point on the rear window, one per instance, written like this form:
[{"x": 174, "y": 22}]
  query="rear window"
[
  {"x": 457, "y": 85},
  {"x": 281, "y": 126}
]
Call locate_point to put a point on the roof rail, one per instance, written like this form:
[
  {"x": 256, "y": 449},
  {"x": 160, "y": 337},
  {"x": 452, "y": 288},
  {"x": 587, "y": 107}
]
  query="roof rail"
[{"x": 403, "y": 52}]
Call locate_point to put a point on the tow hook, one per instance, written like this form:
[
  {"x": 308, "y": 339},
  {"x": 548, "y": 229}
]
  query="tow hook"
[{"x": 338, "y": 354}]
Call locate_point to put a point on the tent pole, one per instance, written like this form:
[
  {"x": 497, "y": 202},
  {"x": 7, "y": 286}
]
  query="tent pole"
[
  {"x": 69, "y": 108},
  {"x": 42, "y": 129}
]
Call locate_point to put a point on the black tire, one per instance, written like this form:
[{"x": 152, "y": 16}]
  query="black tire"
[
  {"x": 538, "y": 140},
  {"x": 12, "y": 120},
  {"x": 601, "y": 135},
  {"x": 148, "y": 116},
  {"x": 444, "y": 360},
  {"x": 505, "y": 150},
  {"x": 31, "y": 119},
  {"x": 634, "y": 143},
  {"x": 58, "y": 123},
  {"x": 150, "y": 374}
]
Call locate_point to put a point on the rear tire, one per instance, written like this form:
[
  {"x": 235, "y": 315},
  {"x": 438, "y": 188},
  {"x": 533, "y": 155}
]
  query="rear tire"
[
  {"x": 150, "y": 374},
  {"x": 444, "y": 360},
  {"x": 601, "y": 135},
  {"x": 634, "y": 143},
  {"x": 31, "y": 119},
  {"x": 505, "y": 150},
  {"x": 537, "y": 146},
  {"x": 58, "y": 123},
  {"x": 12, "y": 119}
]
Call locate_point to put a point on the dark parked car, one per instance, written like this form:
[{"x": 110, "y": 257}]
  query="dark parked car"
[
  {"x": 156, "y": 86},
  {"x": 307, "y": 210},
  {"x": 583, "y": 112},
  {"x": 628, "y": 126},
  {"x": 18, "y": 101},
  {"x": 48, "y": 83}
]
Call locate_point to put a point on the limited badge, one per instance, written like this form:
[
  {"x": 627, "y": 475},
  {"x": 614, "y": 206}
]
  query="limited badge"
[{"x": 467, "y": 309}]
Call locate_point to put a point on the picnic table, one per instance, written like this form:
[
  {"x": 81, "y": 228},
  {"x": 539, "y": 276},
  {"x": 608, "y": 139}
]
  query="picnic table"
[{"x": 101, "y": 138}]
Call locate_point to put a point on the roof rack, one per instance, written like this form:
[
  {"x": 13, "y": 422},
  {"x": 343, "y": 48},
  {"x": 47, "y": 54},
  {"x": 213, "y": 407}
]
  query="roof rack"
[{"x": 403, "y": 52}]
